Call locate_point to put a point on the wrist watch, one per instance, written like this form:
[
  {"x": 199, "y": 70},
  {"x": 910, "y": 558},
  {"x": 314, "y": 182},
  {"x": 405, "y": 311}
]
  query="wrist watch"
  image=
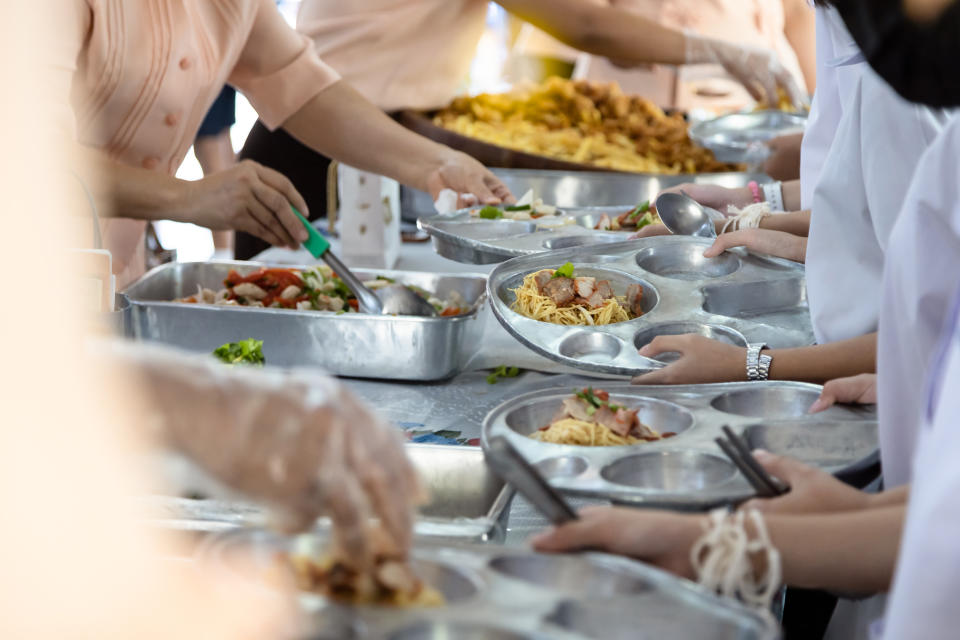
[{"x": 758, "y": 366}]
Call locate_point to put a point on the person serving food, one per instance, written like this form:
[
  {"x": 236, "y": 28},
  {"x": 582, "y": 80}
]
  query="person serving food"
[{"x": 135, "y": 80}]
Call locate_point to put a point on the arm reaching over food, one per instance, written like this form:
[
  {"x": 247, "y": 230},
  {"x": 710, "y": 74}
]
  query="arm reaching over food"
[{"x": 295, "y": 440}]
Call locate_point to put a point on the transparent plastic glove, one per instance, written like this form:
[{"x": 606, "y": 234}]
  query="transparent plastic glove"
[
  {"x": 757, "y": 69},
  {"x": 295, "y": 440}
]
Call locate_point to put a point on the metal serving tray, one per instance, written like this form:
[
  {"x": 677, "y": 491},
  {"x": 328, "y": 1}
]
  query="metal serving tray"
[
  {"x": 358, "y": 345},
  {"x": 467, "y": 501},
  {"x": 742, "y": 137},
  {"x": 582, "y": 188},
  {"x": 497, "y": 593},
  {"x": 735, "y": 297},
  {"x": 688, "y": 471}
]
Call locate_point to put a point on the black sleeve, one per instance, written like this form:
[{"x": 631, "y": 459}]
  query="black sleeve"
[{"x": 920, "y": 61}]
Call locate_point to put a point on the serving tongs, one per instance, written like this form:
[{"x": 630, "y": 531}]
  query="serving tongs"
[
  {"x": 737, "y": 450},
  {"x": 510, "y": 465}
]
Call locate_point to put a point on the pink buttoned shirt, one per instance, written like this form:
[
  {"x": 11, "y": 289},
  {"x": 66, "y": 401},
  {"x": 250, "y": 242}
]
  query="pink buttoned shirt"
[{"x": 143, "y": 74}]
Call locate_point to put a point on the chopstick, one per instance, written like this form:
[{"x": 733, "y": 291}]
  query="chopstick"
[
  {"x": 737, "y": 450},
  {"x": 510, "y": 464}
]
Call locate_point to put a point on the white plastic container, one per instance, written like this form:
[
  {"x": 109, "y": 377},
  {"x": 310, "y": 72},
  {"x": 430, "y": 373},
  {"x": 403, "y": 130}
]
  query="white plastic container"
[{"x": 369, "y": 218}]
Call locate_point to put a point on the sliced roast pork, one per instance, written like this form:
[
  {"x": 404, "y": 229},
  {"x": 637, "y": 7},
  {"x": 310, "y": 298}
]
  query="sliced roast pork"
[
  {"x": 635, "y": 299},
  {"x": 560, "y": 290}
]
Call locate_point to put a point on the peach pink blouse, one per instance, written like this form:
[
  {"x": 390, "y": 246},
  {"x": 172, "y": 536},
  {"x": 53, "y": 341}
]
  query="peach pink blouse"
[{"x": 144, "y": 73}]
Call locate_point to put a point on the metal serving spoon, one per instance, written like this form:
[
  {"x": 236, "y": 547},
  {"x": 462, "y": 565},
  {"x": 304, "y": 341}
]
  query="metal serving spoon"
[
  {"x": 395, "y": 299},
  {"x": 684, "y": 216}
]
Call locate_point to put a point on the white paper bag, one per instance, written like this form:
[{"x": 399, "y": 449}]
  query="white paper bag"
[{"x": 369, "y": 218}]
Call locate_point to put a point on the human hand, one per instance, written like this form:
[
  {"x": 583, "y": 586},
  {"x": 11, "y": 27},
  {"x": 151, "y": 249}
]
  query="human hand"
[
  {"x": 811, "y": 490},
  {"x": 774, "y": 243},
  {"x": 465, "y": 175},
  {"x": 757, "y": 69},
  {"x": 295, "y": 440},
  {"x": 701, "y": 360},
  {"x": 247, "y": 197},
  {"x": 714, "y": 196},
  {"x": 784, "y": 160},
  {"x": 662, "y": 538},
  {"x": 861, "y": 389}
]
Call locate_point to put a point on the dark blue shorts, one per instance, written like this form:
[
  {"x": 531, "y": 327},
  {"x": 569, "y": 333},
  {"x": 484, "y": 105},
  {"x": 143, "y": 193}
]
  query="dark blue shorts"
[{"x": 222, "y": 114}]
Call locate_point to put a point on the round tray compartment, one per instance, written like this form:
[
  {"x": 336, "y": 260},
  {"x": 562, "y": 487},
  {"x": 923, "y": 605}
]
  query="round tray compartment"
[
  {"x": 767, "y": 402},
  {"x": 670, "y": 471},
  {"x": 712, "y": 331},
  {"x": 831, "y": 445},
  {"x": 591, "y": 347},
  {"x": 573, "y": 575},
  {"x": 459, "y": 630},
  {"x": 619, "y": 281},
  {"x": 685, "y": 261},
  {"x": 662, "y": 415}
]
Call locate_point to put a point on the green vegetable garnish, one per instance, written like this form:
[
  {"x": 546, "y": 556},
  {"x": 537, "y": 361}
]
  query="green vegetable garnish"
[
  {"x": 248, "y": 351},
  {"x": 566, "y": 271},
  {"x": 490, "y": 213},
  {"x": 645, "y": 220},
  {"x": 640, "y": 208},
  {"x": 503, "y": 371},
  {"x": 517, "y": 207},
  {"x": 594, "y": 403}
]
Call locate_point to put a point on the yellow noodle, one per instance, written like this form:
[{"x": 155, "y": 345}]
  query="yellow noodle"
[
  {"x": 532, "y": 304},
  {"x": 586, "y": 434}
]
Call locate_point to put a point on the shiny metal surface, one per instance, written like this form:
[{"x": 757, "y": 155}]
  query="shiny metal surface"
[
  {"x": 466, "y": 501},
  {"x": 737, "y": 296},
  {"x": 519, "y": 594},
  {"x": 688, "y": 471},
  {"x": 458, "y": 237},
  {"x": 510, "y": 465},
  {"x": 684, "y": 216},
  {"x": 741, "y": 137},
  {"x": 358, "y": 345},
  {"x": 398, "y": 300}
]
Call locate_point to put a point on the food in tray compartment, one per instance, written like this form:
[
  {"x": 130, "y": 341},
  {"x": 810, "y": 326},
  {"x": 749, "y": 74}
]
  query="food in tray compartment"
[
  {"x": 560, "y": 296},
  {"x": 247, "y": 351},
  {"x": 584, "y": 122},
  {"x": 588, "y": 418},
  {"x": 314, "y": 289},
  {"x": 632, "y": 220}
]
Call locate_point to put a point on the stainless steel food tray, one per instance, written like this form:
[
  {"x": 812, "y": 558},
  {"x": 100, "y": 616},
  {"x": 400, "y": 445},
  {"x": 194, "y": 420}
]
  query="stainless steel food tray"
[
  {"x": 497, "y": 593},
  {"x": 688, "y": 471},
  {"x": 358, "y": 345},
  {"x": 742, "y": 137},
  {"x": 467, "y": 502},
  {"x": 463, "y": 238},
  {"x": 582, "y": 188},
  {"x": 735, "y": 297}
]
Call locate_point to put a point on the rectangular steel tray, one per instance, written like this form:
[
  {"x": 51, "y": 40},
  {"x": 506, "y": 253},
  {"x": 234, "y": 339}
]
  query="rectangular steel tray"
[
  {"x": 357, "y": 345},
  {"x": 689, "y": 471},
  {"x": 737, "y": 297},
  {"x": 582, "y": 188},
  {"x": 467, "y": 501},
  {"x": 498, "y": 593}
]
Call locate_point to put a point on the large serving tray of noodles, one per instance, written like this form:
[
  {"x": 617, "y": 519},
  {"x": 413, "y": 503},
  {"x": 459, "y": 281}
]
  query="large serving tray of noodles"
[
  {"x": 674, "y": 462},
  {"x": 341, "y": 342},
  {"x": 505, "y": 593},
  {"x": 737, "y": 297},
  {"x": 568, "y": 125}
]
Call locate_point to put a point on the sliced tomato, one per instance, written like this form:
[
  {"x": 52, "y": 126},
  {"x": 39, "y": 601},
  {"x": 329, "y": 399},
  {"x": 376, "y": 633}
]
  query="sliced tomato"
[{"x": 450, "y": 311}]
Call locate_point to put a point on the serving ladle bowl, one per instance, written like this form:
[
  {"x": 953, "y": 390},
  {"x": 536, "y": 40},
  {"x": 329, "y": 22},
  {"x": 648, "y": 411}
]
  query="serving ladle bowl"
[{"x": 683, "y": 216}]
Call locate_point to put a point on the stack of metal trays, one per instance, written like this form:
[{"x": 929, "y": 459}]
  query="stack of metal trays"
[
  {"x": 467, "y": 501},
  {"x": 742, "y": 137},
  {"x": 688, "y": 471},
  {"x": 735, "y": 297},
  {"x": 350, "y": 344},
  {"x": 497, "y": 593}
]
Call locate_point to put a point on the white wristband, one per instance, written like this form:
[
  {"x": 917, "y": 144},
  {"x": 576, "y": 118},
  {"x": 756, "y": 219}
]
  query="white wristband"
[{"x": 773, "y": 193}]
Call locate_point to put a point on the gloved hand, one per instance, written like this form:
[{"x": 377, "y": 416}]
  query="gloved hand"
[
  {"x": 757, "y": 69},
  {"x": 296, "y": 440}
]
